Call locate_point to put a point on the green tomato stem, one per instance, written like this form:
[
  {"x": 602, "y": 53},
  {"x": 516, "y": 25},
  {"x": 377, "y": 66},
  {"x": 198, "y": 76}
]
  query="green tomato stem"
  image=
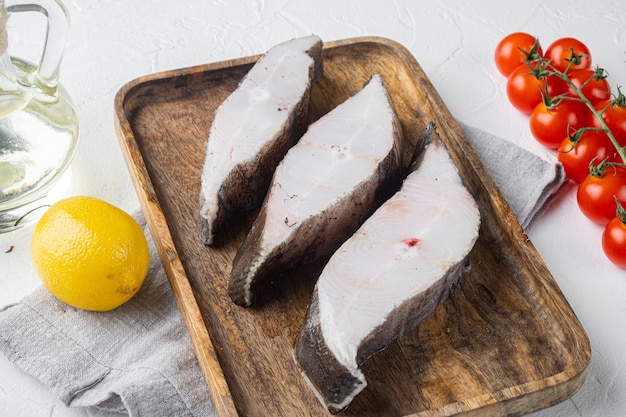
[{"x": 620, "y": 213}]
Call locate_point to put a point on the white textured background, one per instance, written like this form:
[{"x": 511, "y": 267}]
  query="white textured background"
[{"x": 114, "y": 41}]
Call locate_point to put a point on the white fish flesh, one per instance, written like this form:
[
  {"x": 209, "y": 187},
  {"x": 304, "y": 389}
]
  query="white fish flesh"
[
  {"x": 322, "y": 191},
  {"x": 388, "y": 277},
  {"x": 253, "y": 129}
]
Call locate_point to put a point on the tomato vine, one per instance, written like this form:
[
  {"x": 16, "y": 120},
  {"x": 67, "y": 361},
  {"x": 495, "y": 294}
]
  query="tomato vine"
[
  {"x": 544, "y": 68},
  {"x": 572, "y": 110}
]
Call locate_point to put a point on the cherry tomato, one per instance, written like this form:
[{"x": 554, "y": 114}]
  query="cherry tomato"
[
  {"x": 597, "y": 89},
  {"x": 560, "y": 52},
  {"x": 596, "y": 194},
  {"x": 614, "y": 242},
  {"x": 556, "y": 86},
  {"x": 615, "y": 118},
  {"x": 510, "y": 50},
  {"x": 589, "y": 117},
  {"x": 523, "y": 89},
  {"x": 549, "y": 125},
  {"x": 592, "y": 145}
]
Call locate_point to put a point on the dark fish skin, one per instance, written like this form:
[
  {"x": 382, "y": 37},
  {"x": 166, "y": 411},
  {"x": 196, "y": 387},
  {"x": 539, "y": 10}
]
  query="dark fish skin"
[
  {"x": 246, "y": 184},
  {"x": 336, "y": 384},
  {"x": 317, "y": 236},
  {"x": 332, "y": 381}
]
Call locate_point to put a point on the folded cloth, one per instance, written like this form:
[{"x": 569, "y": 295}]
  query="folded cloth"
[
  {"x": 137, "y": 359},
  {"x": 526, "y": 181}
]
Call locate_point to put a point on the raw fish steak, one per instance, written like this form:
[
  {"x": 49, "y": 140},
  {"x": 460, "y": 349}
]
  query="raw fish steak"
[
  {"x": 322, "y": 191},
  {"x": 253, "y": 129},
  {"x": 389, "y": 276}
]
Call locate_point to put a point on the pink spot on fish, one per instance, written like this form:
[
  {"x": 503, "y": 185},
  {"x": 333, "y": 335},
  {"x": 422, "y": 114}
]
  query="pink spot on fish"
[
  {"x": 411, "y": 242},
  {"x": 408, "y": 248}
]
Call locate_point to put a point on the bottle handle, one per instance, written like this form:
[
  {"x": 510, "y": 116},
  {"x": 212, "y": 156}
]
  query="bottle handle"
[{"x": 47, "y": 75}]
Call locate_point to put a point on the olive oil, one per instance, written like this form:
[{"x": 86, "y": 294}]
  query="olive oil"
[{"x": 38, "y": 123}]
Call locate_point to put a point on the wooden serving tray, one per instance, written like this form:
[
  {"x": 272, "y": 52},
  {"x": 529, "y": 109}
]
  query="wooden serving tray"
[{"x": 505, "y": 343}]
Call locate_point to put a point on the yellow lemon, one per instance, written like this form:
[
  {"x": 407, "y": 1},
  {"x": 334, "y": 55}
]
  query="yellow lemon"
[{"x": 89, "y": 253}]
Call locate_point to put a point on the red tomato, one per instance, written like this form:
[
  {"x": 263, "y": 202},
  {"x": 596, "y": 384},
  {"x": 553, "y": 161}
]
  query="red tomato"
[
  {"x": 597, "y": 89},
  {"x": 549, "y": 126},
  {"x": 523, "y": 89},
  {"x": 556, "y": 86},
  {"x": 510, "y": 51},
  {"x": 589, "y": 117},
  {"x": 560, "y": 52},
  {"x": 615, "y": 118},
  {"x": 596, "y": 194},
  {"x": 614, "y": 242},
  {"x": 592, "y": 145}
]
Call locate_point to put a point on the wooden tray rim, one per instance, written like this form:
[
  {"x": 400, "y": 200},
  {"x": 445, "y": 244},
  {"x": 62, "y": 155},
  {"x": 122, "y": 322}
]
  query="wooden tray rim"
[{"x": 191, "y": 315}]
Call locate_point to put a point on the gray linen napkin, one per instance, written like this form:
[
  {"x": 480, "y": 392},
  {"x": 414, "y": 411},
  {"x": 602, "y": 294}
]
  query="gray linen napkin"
[
  {"x": 526, "y": 181},
  {"x": 138, "y": 358}
]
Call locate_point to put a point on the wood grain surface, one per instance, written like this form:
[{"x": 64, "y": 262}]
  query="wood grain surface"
[{"x": 505, "y": 344}]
